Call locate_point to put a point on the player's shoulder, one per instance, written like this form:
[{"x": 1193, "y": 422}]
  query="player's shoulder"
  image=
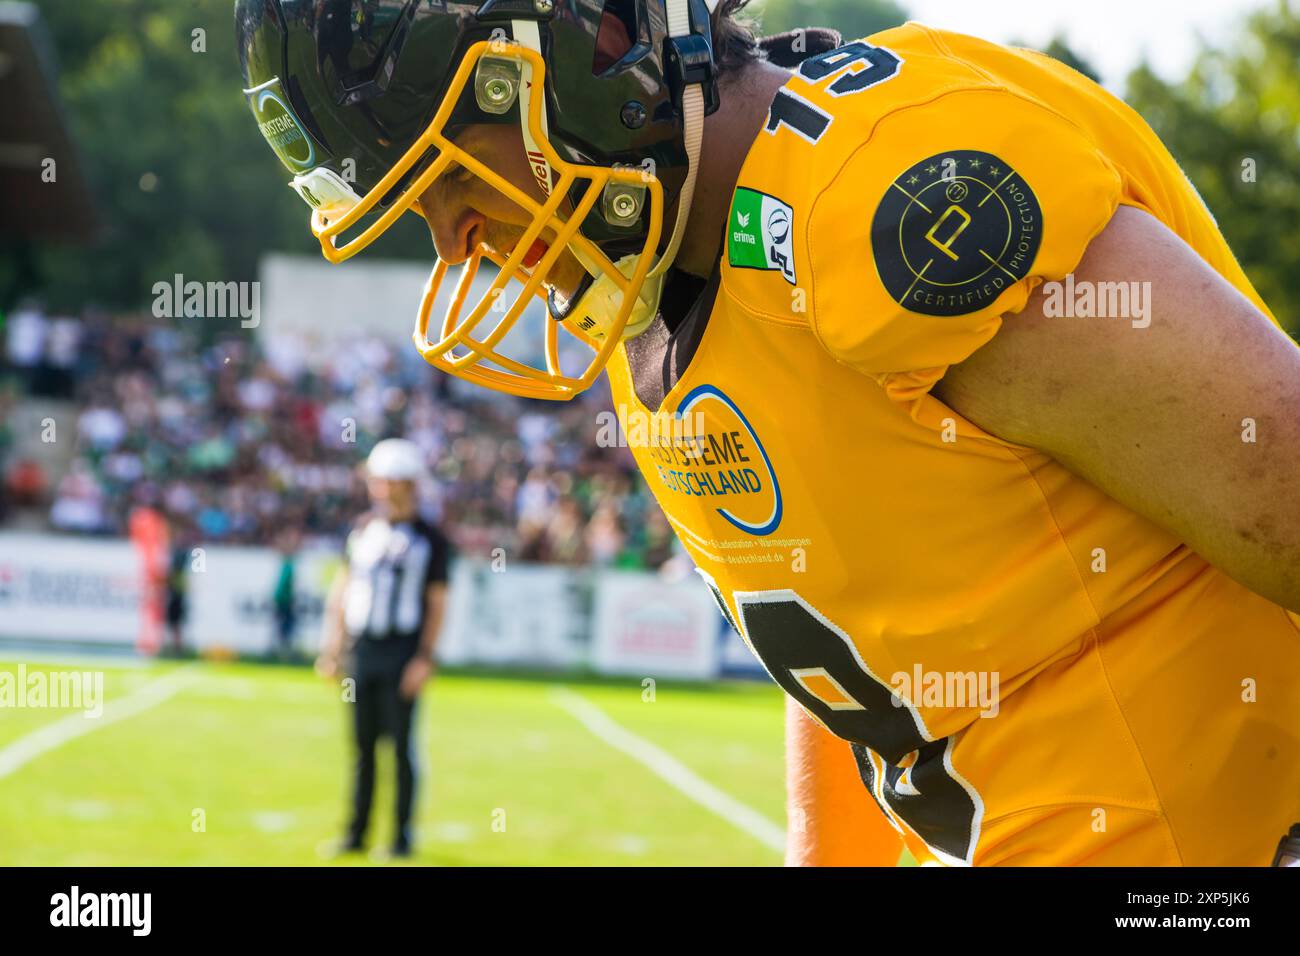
[
  {"x": 905, "y": 181},
  {"x": 816, "y": 124},
  {"x": 834, "y": 98}
]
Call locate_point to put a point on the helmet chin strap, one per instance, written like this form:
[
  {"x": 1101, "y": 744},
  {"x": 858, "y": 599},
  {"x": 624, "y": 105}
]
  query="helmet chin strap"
[
  {"x": 527, "y": 35},
  {"x": 594, "y": 310},
  {"x": 679, "y": 25}
]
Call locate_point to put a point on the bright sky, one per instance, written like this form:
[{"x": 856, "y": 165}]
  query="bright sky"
[{"x": 1113, "y": 35}]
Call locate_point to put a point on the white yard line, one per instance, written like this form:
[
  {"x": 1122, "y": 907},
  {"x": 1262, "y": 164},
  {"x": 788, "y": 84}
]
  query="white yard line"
[
  {"x": 671, "y": 770},
  {"x": 54, "y": 735}
]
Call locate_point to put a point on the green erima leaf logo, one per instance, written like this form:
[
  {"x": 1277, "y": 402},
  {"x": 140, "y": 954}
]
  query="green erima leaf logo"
[{"x": 761, "y": 235}]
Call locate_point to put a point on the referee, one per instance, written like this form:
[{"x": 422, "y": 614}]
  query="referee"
[{"x": 386, "y": 608}]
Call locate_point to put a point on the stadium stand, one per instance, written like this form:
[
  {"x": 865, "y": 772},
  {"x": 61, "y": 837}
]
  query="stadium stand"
[{"x": 237, "y": 446}]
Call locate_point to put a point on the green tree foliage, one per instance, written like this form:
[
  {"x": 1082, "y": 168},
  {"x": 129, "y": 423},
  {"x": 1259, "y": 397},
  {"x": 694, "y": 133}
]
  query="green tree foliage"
[
  {"x": 185, "y": 183},
  {"x": 183, "y": 180},
  {"x": 853, "y": 18},
  {"x": 1232, "y": 126},
  {"x": 1059, "y": 49}
]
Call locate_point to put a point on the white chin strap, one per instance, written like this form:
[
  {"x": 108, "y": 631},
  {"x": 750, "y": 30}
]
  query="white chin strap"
[{"x": 595, "y": 311}]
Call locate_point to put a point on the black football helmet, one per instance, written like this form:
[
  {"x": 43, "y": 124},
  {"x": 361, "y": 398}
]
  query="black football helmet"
[{"x": 362, "y": 101}]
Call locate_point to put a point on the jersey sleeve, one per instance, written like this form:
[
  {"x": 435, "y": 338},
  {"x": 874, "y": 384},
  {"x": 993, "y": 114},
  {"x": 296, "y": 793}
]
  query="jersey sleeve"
[
  {"x": 943, "y": 221},
  {"x": 439, "y": 558}
]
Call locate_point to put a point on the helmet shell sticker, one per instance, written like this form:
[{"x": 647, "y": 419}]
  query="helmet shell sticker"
[
  {"x": 281, "y": 127},
  {"x": 952, "y": 232}
]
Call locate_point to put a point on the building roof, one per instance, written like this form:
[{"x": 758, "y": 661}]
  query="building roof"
[{"x": 33, "y": 133}]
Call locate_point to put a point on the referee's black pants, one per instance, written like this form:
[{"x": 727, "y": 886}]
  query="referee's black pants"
[{"x": 380, "y": 710}]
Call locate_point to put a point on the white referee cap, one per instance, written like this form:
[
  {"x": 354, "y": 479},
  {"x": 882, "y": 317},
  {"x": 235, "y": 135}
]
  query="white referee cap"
[{"x": 396, "y": 459}]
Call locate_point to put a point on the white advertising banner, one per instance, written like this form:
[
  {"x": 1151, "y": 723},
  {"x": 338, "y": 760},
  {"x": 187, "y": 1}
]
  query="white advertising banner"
[
  {"x": 526, "y": 615},
  {"x": 74, "y": 589},
  {"x": 230, "y": 598},
  {"x": 735, "y": 657},
  {"x": 649, "y": 627}
]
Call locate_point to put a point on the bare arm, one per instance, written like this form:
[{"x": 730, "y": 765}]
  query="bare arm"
[
  {"x": 435, "y": 603},
  {"x": 833, "y": 820},
  {"x": 333, "y": 629},
  {"x": 1158, "y": 416},
  {"x": 421, "y": 666}
]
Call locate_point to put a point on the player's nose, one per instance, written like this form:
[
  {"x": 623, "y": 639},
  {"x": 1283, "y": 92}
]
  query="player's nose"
[{"x": 457, "y": 230}]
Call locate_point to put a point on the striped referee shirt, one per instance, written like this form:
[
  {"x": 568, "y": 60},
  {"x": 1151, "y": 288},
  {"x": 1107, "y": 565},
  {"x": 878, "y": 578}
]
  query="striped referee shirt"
[{"x": 390, "y": 569}]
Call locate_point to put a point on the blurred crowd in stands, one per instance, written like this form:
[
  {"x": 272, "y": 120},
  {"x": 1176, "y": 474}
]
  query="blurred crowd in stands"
[{"x": 239, "y": 444}]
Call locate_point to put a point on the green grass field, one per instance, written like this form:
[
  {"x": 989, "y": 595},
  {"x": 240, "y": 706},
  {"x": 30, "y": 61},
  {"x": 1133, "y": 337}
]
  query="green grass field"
[{"x": 240, "y": 764}]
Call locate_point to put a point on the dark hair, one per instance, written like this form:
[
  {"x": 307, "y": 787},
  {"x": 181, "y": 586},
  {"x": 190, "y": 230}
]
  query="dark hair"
[{"x": 734, "y": 42}]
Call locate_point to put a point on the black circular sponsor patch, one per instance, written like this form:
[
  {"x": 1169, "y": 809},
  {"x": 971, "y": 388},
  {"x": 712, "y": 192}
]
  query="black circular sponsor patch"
[{"x": 954, "y": 231}]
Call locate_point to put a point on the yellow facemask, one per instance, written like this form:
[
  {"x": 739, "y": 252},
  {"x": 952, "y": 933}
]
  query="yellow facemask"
[{"x": 621, "y": 300}]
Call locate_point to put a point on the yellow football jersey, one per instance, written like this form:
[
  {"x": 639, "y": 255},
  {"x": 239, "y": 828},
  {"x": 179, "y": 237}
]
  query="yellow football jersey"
[{"x": 1028, "y": 672}]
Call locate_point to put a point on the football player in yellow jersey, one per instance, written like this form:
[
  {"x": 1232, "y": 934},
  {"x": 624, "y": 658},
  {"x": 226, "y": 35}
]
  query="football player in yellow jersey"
[{"x": 935, "y": 360}]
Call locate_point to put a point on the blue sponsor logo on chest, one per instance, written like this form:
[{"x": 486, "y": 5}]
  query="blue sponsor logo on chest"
[{"x": 721, "y": 458}]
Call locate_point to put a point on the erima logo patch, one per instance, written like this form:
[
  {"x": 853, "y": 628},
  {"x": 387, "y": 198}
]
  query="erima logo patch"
[{"x": 761, "y": 234}]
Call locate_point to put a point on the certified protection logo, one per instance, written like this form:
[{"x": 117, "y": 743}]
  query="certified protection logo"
[{"x": 954, "y": 231}]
